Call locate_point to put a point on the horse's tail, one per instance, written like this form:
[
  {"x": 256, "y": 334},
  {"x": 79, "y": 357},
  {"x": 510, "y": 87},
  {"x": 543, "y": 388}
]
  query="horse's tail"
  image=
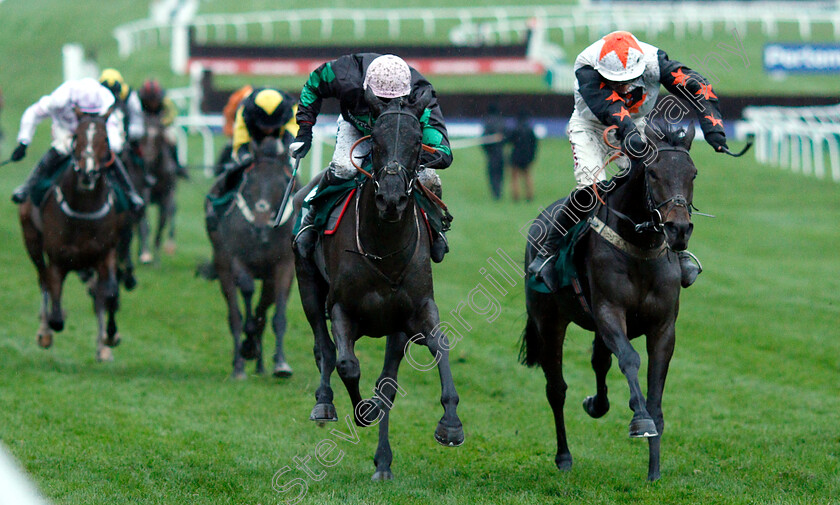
[{"x": 531, "y": 344}]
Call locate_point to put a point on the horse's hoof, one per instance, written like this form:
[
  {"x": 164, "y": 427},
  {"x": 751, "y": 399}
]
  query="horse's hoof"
[
  {"x": 113, "y": 341},
  {"x": 239, "y": 375},
  {"x": 169, "y": 247},
  {"x": 146, "y": 258},
  {"x": 563, "y": 462},
  {"x": 56, "y": 324},
  {"x": 449, "y": 436},
  {"x": 653, "y": 477},
  {"x": 104, "y": 354},
  {"x": 130, "y": 282},
  {"x": 45, "y": 340},
  {"x": 323, "y": 412},
  {"x": 248, "y": 349},
  {"x": 282, "y": 370},
  {"x": 594, "y": 408},
  {"x": 381, "y": 475},
  {"x": 642, "y": 427}
]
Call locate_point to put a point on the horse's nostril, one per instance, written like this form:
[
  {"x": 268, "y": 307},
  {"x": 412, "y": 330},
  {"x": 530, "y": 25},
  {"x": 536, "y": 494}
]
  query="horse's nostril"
[
  {"x": 403, "y": 200},
  {"x": 380, "y": 199}
]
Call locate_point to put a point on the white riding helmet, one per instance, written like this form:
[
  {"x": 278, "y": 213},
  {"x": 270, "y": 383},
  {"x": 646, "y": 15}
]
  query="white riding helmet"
[
  {"x": 388, "y": 76},
  {"x": 621, "y": 58}
]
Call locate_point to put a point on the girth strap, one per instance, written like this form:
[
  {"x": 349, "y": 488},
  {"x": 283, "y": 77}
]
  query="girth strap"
[{"x": 619, "y": 243}]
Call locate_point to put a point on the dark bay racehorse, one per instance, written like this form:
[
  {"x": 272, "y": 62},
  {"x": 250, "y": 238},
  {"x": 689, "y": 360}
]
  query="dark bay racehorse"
[
  {"x": 632, "y": 282},
  {"x": 160, "y": 164},
  {"x": 246, "y": 246},
  {"x": 77, "y": 229},
  {"x": 376, "y": 280}
]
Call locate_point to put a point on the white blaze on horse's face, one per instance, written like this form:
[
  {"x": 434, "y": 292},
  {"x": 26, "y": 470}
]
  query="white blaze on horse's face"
[{"x": 87, "y": 163}]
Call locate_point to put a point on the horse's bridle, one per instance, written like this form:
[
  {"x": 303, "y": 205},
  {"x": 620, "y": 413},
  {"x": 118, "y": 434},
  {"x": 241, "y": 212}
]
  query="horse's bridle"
[
  {"x": 677, "y": 200},
  {"x": 400, "y": 169}
]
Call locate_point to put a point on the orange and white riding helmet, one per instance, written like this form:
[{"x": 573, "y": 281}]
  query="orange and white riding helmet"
[
  {"x": 388, "y": 76},
  {"x": 621, "y": 58}
]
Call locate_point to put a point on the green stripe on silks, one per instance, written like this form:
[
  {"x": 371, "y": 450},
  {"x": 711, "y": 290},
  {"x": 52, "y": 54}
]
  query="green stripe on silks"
[{"x": 564, "y": 264}]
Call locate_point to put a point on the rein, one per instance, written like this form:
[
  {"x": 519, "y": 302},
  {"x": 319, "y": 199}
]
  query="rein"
[{"x": 372, "y": 258}]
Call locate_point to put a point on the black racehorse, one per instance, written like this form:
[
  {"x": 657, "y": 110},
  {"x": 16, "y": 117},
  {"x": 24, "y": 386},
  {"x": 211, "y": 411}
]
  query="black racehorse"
[
  {"x": 160, "y": 164},
  {"x": 631, "y": 278},
  {"x": 77, "y": 228},
  {"x": 376, "y": 280},
  {"x": 247, "y": 246}
]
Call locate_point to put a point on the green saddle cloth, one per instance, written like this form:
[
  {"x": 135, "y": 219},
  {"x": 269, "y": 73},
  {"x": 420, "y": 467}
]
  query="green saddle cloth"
[
  {"x": 41, "y": 187},
  {"x": 564, "y": 263},
  {"x": 332, "y": 196}
]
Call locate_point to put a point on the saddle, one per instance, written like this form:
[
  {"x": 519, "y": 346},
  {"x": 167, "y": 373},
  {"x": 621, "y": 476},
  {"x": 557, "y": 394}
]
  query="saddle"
[{"x": 43, "y": 187}]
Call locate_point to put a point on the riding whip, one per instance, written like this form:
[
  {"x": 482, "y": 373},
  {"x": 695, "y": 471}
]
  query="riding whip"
[
  {"x": 282, "y": 209},
  {"x": 744, "y": 150},
  {"x": 6, "y": 162}
]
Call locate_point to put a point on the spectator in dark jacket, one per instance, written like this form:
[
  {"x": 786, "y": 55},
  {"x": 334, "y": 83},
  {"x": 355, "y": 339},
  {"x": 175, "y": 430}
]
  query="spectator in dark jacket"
[
  {"x": 494, "y": 129},
  {"x": 524, "y": 142}
]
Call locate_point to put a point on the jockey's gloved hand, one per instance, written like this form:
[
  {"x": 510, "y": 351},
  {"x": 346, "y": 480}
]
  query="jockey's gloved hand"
[
  {"x": 717, "y": 140},
  {"x": 634, "y": 145},
  {"x": 246, "y": 159},
  {"x": 302, "y": 143},
  {"x": 19, "y": 152}
]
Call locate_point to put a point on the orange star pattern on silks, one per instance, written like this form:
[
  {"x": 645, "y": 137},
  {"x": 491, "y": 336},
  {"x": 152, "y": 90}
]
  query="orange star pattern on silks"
[
  {"x": 602, "y": 85},
  {"x": 620, "y": 43},
  {"x": 679, "y": 77},
  {"x": 705, "y": 91},
  {"x": 622, "y": 114},
  {"x": 614, "y": 97},
  {"x": 714, "y": 120},
  {"x": 634, "y": 108}
]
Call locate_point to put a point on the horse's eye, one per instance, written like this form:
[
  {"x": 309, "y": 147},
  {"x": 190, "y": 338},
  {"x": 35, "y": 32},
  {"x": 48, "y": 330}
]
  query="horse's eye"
[{"x": 653, "y": 176}]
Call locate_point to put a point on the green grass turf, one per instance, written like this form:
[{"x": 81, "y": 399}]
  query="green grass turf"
[{"x": 751, "y": 402}]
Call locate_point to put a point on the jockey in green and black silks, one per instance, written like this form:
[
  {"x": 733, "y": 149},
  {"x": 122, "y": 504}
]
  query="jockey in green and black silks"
[{"x": 346, "y": 79}]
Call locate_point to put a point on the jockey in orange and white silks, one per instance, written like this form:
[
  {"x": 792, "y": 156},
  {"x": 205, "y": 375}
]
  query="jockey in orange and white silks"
[
  {"x": 618, "y": 79},
  {"x": 83, "y": 95}
]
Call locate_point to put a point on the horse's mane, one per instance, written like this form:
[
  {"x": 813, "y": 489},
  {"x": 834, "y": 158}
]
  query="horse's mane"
[{"x": 672, "y": 135}]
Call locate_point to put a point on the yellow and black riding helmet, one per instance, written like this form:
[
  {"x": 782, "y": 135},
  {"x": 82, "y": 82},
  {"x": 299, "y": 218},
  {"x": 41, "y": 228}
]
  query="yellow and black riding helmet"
[
  {"x": 267, "y": 109},
  {"x": 113, "y": 80}
]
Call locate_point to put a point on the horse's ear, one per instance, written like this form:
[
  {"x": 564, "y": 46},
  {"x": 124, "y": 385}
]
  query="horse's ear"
[
  {"x": 420, "y": 100},
  {"x": 689, "y": 136},
  {"x": 377, "y": 105}
]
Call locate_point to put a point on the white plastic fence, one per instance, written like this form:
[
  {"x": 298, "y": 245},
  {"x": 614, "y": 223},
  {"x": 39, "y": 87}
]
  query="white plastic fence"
[
  {"x": 800, "y": 138},
  {"x": 486, "y": 24}
]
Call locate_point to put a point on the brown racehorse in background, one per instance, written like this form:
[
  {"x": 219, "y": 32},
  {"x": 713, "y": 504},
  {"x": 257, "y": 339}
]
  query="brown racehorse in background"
[
  {"x": 77, "y": 228},
  {"x": 247, "y": 246},
  {"x": 160, "y": 164}
]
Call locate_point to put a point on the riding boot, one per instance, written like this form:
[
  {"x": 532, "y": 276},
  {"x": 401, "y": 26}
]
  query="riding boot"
[
  {"x": 542, "y": 266},
  {"x": 124, "y": 181},
  {"x": 307, "y": 237},
  {"x": 45, "y": 169},
  {"x": 440, "y": 246},
  {"x": 690, "y": 268}
]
